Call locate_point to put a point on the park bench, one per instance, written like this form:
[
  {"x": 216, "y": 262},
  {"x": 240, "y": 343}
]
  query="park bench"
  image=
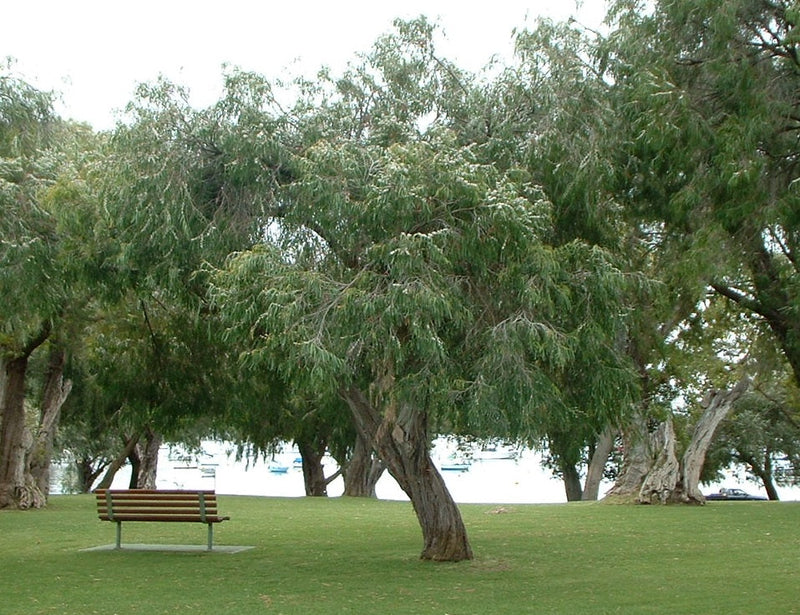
[{"x": 120, "y": 505}]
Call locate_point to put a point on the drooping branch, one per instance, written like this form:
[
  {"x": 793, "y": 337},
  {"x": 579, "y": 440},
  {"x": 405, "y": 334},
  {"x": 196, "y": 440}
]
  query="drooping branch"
[{"x": 744, "y": 300}]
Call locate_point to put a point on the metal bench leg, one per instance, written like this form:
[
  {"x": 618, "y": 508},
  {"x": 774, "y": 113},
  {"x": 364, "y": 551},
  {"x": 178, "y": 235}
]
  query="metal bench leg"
[
  {"x": 119, "y": 534},
  {"x": 210, "y": 536}
]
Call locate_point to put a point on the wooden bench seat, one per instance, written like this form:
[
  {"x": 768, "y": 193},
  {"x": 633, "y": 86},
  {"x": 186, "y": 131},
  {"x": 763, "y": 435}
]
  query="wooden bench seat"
[{"x": 150, "y": 505}]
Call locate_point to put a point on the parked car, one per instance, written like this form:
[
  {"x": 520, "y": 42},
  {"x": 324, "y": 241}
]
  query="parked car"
[{"x": 733, "y": 494}]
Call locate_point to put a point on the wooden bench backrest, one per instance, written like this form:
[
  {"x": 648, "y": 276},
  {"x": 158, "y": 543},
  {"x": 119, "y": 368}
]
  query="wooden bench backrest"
[{"x": 157, "y": 505}]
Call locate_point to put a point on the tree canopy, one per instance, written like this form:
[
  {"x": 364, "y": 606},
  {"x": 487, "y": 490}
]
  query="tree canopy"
[{"x": 553, "y": 252}]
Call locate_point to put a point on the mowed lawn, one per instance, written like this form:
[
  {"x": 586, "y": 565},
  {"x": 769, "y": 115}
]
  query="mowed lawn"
[{"x": 361, "y": 556}]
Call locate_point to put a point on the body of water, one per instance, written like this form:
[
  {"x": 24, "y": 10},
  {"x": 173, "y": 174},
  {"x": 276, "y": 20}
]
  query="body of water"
[{"x": 499, "y": 475}]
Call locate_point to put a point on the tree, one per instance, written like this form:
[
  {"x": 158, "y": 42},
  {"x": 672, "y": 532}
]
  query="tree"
[
  {"x": 704, "y": 97},
  {"x": 46, "y": 258},
  {"x": 422, "y": 286},
  {"x": 709, "y": 93}
]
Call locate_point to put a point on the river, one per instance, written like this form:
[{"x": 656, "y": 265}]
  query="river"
[{"x": 499, "y": 474}]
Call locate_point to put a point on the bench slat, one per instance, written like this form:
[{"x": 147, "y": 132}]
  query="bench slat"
[
  {"x": 151, "y": 512},
  {"x": 166, "y": 518},
  {"x": 160, "y": 504},
  {"x": 152, "y": 497}
]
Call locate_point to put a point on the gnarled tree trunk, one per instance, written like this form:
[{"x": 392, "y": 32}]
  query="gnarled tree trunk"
[
  {"x": 717, "y": 406},
  {"x": 659, "y": 484},
  {"x": 17, "y": 488},
  {"x": 12, "y": 433},
  {"x": 652, "y": 461},
  {"x": 637, "y": 461},
  {"x": 56, "y": 391},
  {"x": 400, "y": 438},
  {"x": 148, "y": 459},
  {"x": 313, "y": 471},
  {"x": 363, "y": 470}
]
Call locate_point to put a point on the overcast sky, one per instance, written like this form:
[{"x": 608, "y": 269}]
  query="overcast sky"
[{"x": 95, "y": 51}]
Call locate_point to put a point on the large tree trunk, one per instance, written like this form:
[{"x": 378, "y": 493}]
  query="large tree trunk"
[
  {"x": 597, "y": 464},
  {"x": 148, "y": 459},
  {"x": 56, "y": 391},
  {"x": 572, "y": 482},
  {"x": 313, "y": 470},
  {"x": 400, "y": 437},
  {"x": 717, "y": 406},
  {"x": 659, "y": 484},
  {"x": 12, "y": 434},
  {"x": 17, "y": 489},
  {"x": 363, "y": 470},
  {"x": 636, "y": 462},
  {"x": 664, "y": 478}
]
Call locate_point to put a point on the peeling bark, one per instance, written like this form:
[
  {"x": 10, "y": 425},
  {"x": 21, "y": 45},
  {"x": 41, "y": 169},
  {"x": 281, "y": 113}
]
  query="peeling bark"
[
  {"x": 636, "y": 463},
  {"x": 659, "y": 484},
  {"x": 17, "y": 487},
  {"x": 56, "y": 391},
  {"x": 363, "y": 470},
  {"x": 12, "y": 432},
  {"x": 400, "y": 438},
  {"x": 148, "y": 456},
  {"x": 652, "y": 460},
  {"x": 717, "y": 406}
]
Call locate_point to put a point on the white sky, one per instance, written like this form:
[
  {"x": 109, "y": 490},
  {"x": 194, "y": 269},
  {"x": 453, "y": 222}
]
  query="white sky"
[{"x": 95, "y": 51}]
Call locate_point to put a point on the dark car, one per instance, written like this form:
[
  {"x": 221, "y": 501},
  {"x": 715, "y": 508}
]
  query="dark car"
[{"x": 733, "y": 495}]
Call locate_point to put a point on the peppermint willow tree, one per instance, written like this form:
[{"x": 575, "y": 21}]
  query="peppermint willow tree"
[
  {"x": 47, "y": 264},
  {"x": 407, "y": 271},
  {"x": 707, "y": 95}
]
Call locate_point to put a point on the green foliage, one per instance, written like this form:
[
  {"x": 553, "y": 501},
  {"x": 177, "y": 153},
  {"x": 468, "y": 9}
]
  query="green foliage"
[
  {"x": 763, "y": 435},
  {"x": 49, "y": 247},
  {"x": 708, "y": 91},
  {"x": 419, "y": 265}
]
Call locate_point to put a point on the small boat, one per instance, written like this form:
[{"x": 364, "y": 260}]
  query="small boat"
[{"x": 455, "y": 466}]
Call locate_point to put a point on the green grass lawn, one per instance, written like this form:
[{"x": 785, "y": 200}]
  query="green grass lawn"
[{"x": 353, "y": 556}]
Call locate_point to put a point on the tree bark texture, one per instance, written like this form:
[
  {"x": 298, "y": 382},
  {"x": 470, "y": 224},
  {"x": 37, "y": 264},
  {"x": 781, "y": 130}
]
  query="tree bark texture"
[
  {"x": 362, "y": 471},
  {"x": 148, "y": 456},
  {"x": 400, "y": 438},
  {"x": 17, "y": 487},
  {"x": 572, "y": 482},
  {"x": 659, "y": 484},
  {"x": 597, "y": 464},
  {"x": 55, "y": 393},
  {"x": 652, "y": 458},
  {"x": 12, "y": 433},
  {"x": 636, "y": 463},
  {"x": 717, "y": 406},
  {"x": 313, "y": 470}
]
